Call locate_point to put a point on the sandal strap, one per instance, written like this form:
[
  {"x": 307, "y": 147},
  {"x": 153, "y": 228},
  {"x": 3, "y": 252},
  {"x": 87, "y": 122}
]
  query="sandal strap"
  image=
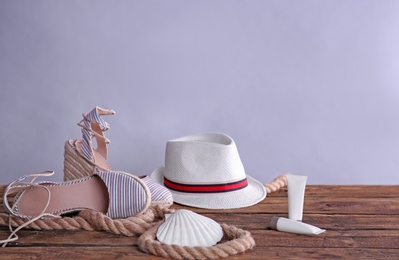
[
  {"x": 19, "y": 186},
  {"x": 94, "y": 126}
]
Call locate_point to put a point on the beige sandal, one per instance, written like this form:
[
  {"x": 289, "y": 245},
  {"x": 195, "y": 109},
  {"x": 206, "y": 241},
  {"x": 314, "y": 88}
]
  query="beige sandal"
[{"x": 116, "y": 194}]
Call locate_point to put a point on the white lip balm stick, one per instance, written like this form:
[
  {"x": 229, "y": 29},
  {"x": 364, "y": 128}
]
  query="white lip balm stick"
[
  {"x": 296, "y": 192},
  {"x": 292, "y": 226}
]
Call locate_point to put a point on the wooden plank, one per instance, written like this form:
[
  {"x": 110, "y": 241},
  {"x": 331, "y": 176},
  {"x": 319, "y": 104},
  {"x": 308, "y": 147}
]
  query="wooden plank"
[
  {"x": 312, "y": 205},
  {"x": 335, "y": 221},
  {"x": 316, "y": 205},
  {"x": 353, "y": 191},
  {"x": 129, "y": 253},
  {"x": 59, "y": 238},
  {"x": 353, "y": 222},
  {"x": 383, "y": 239},
  {"x": 346, "y": 191},
  {"x": 361, "y": 222},
  {"x": 82, "y": 252},
  {"x": 319, "y": 253},
  {"x": 386, "y": 225}
]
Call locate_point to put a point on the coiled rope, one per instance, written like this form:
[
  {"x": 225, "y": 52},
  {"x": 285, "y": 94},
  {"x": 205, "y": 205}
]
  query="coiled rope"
[
  {"x": 92, "y": 220},
  {"x": 239, "y": 241},
  {"x": 145, "y": 225}
]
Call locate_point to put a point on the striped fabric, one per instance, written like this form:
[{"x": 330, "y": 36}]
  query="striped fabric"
[
  {"x": 126, "y": 196},
  {"x": 92, "y": 116},
  {"x": 158, "y": 192}
]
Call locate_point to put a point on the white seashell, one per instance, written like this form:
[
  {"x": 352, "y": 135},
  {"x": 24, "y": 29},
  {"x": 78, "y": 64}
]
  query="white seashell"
[{"x": 187, "y": 228}]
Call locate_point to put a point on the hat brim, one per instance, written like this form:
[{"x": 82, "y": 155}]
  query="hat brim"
[{"x": 248, "y": 196}]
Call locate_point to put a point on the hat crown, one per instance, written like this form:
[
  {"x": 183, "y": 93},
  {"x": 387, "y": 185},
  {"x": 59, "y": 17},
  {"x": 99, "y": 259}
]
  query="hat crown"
[{"x": 205, "y": 158}]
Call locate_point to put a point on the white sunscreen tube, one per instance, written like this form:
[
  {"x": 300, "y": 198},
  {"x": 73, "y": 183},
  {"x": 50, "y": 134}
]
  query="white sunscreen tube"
[
  {"x": 292, "y": 226},
  {"x": 296, "y": 193}
]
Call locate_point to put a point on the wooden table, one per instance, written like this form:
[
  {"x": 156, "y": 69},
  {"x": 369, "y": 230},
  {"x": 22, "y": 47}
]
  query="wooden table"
[{"x": 361, "y": 222}]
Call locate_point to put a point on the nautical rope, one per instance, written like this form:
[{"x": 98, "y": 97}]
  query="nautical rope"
[
  {"x": 91, "y": 220},
  {"x": 145, "y": 225},
  {"x": 239, "y": 242},
  {"x": 277, "y": 183}
]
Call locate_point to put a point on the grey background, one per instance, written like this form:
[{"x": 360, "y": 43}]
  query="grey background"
[{"x": 307, "y": 87}]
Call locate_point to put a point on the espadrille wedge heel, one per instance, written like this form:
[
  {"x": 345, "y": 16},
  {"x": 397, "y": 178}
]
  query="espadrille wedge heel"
[{"x": 82, "y": 159}]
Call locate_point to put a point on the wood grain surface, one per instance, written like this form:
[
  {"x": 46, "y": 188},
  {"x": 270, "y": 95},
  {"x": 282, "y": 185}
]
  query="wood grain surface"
[{"x": 362, "y": 222}]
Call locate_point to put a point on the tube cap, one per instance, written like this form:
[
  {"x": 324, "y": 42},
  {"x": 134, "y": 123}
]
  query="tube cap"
[{"x": 273, "y": 223}]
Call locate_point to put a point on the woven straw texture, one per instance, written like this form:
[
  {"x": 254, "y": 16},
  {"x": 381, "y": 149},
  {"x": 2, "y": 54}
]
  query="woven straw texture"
[{"x": 75, "y": 165}]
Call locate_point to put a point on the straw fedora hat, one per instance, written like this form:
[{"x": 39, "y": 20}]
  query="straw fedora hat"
[{"x": 206, "y": 171}]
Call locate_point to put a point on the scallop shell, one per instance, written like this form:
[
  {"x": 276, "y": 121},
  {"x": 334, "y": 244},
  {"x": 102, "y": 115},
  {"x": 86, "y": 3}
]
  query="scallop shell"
[{"x": 187, "y": 228}]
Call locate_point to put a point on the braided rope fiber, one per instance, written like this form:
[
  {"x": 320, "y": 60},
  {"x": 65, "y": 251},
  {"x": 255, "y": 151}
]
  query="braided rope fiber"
[
  {"x": 145, "y": 225},
  {"x": 277, "y": 183},
  {"x": 91, "y": 220},
  {"x": 239, "y": 242}
]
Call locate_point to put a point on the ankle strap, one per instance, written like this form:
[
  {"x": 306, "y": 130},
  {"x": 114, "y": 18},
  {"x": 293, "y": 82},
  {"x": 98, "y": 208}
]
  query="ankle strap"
[
  {"x": 19, "y": 186},
  {"x": 94, "y": 126}
]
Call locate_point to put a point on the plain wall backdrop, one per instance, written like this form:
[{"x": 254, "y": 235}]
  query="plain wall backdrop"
[{"x": 307, "y": 87}]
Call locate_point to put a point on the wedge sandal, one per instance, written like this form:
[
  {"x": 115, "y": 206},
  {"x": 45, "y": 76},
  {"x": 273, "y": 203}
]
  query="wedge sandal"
[
  {"x": 81, "y": 159},
  {"x": 116, "y": 194}
]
